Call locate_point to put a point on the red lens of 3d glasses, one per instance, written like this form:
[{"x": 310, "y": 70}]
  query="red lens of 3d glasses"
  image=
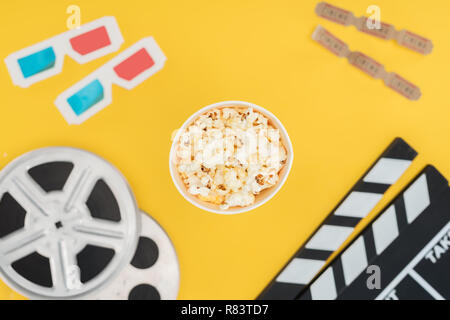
[
  {"x": 91, "y": 41},
  {"x": 134, "y": 65}
]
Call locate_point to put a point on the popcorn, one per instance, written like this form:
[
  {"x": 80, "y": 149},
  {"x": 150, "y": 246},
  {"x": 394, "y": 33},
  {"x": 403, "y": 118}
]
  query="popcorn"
[{"x": 228, "y": 156}]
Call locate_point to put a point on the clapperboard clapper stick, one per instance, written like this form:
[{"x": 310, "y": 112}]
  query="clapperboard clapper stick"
[
  {"x": 339, "y": 224},
  {"x": 409, "y": 242}
]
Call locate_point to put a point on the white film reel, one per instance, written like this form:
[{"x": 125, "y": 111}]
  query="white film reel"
[
  {"x": 68, "y": 223},
  {"x": 153, "y": 273}
]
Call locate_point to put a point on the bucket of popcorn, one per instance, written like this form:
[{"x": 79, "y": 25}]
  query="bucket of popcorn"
[{"x": 230, "y": 157}]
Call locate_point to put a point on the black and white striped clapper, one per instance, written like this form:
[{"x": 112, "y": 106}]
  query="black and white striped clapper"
[
  {"x": 408, "y": 243},
  {"x": 339, "y": 224}
]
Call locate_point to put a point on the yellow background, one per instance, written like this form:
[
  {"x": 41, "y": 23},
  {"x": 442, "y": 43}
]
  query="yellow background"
[{"x": 261, "y": 51}]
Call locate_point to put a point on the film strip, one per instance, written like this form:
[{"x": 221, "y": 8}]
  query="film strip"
[
  {"x": 386, "y": 31},
  {"x": 408, "y": 241},
  {"x": 339, "y": 224},
  {"x": 367, "y": 64}
]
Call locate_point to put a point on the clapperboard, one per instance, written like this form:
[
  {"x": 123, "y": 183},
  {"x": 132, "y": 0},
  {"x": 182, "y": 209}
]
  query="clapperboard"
[
  {"x": 340, "y": 223},
  {"x": 409, "y": 242}
]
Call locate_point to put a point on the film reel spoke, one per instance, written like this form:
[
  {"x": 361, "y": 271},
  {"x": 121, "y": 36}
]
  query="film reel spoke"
[
  {"x": 77, "y": 187},
  {"x": 103, "y": 233},
  {"x": 65, "y": 272},
  {"x": 20, "y": 244},
  {"x": 24, "y": 190}
]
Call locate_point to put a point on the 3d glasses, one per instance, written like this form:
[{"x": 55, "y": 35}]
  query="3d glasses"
[
  {"x": 45, "y": 59},
  {"x": 127, "y": 70}
]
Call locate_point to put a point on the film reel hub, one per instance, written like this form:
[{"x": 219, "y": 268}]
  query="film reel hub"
[{"x": 54, "y": 228}]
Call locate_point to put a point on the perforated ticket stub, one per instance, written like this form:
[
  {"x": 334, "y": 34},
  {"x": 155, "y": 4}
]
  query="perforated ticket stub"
[
  {"x": 365, "y": 63},
  {"x": 386, "y": 31}
]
